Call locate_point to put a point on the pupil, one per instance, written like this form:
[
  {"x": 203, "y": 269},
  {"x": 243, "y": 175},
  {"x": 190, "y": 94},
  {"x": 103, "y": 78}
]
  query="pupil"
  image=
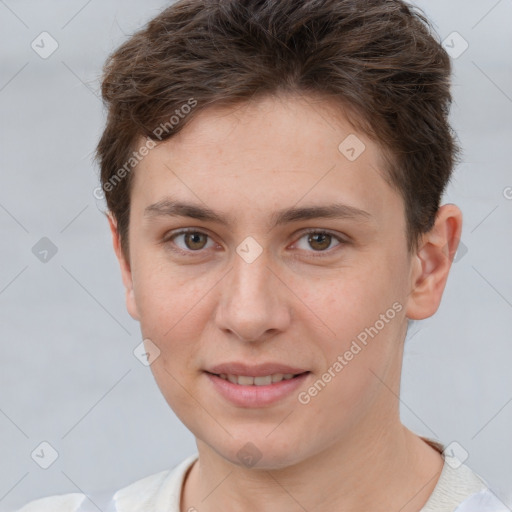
[
  {"x": 194, "y": 237},
  {"x": 323, "y": 238}
]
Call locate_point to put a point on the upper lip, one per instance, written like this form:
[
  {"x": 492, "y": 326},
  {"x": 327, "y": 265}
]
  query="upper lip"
[{"x": 257, "y": 370}]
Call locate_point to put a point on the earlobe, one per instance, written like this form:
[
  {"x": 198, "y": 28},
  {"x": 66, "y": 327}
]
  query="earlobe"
[
  {"x": 432, "y": 263},
  {"x": 124, "y": 265}
]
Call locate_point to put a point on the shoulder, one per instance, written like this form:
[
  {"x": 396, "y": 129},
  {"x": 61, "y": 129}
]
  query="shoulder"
[
  {"x": 58, "y": 503},
  {"x": 160, "y": 491},
  {"x": 482, "y": 501},
  {"x": 136, "y": 493},
  {"x": 147, "y": 493},
  {"x": 460, "y": 488}
]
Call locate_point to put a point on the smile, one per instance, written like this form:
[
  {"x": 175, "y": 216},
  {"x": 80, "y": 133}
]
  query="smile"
[
  {"x": 260, "y": 391},
  {"x": 265, "y": 380}
]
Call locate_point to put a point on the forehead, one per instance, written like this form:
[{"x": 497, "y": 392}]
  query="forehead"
[{"x": 266, "y": 154}]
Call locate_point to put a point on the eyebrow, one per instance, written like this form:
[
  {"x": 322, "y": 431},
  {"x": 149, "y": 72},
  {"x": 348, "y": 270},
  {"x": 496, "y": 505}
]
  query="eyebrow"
[{"x": 172, "y": 208}]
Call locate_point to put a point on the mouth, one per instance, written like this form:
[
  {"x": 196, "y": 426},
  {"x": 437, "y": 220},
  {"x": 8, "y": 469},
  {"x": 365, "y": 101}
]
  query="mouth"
[
  {"x": 256, "y": 386},
  {"x": 262, "y": 380}
]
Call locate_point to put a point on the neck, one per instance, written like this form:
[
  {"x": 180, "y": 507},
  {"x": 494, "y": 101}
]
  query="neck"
[{"x": 385, "y": 469}]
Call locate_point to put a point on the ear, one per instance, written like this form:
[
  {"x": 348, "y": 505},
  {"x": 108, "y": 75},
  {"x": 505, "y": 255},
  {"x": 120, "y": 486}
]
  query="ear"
[
  {"x": 432, "y": 262},
  {"x": 126, "y": 273}
]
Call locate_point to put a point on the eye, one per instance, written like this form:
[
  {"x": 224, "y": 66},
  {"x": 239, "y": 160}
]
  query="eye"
[
  {"x": 319, "y": 240},
  {"x": 192, "y": 241}
]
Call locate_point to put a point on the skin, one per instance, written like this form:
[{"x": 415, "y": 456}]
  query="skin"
[{"x": 345, "y": 450}]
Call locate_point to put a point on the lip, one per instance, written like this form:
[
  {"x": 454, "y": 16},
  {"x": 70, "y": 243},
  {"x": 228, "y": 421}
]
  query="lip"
[
  {"x": 258, "y": 370},
  {"x": 256, "y": 396}
]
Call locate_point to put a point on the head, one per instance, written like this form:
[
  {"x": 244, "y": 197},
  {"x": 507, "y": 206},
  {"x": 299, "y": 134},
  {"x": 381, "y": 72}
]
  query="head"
[{"x": 305, "y": 147}]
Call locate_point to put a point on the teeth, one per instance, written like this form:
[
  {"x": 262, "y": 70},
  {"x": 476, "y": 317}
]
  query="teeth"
[
  {"x": 263, "y": 381},
  {"x": 245, "y": 380}
]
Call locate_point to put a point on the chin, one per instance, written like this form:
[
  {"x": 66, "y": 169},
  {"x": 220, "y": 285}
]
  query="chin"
[{"x": 260, "y": 453}]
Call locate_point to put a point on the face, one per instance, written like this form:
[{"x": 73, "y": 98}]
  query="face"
[{"x": 252, "y": 274}]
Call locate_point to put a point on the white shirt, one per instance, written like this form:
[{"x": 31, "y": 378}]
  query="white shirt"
[{"x": 458, "y": 489}]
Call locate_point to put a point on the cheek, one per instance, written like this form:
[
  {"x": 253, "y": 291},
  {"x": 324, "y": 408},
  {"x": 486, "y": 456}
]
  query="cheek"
[
  {"x": 352, "y": 300},
  {"x": 172, "y": 317},
  {"x": 169, "y": 306},
  {"x": 363, "y": 317}
]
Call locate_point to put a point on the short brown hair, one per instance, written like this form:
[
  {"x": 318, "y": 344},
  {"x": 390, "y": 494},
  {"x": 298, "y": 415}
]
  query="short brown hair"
[{"x": 380, "y": 58}]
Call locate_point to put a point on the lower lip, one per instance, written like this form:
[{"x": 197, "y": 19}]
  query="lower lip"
[{"x": 256, "y": 396}]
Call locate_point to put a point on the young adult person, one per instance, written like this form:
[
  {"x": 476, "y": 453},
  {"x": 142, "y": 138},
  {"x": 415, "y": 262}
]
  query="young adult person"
[{"x": 273, "y": 172}]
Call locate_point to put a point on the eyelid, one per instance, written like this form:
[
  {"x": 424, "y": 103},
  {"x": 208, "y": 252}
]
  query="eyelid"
[
  {"x": 169, "y": 236},
  {"x": 342, "y": 241}
]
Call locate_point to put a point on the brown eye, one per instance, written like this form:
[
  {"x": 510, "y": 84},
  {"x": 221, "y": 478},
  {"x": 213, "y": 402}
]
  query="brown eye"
[
  {"x": 195, "y": 240},
  {"x": 188, "y": 241},
  {"x": 319, "y": 241}
]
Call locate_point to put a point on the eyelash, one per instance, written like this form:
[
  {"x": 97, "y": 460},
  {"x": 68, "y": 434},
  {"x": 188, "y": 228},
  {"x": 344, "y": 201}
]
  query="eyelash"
[{"x": 314, "y": 254}]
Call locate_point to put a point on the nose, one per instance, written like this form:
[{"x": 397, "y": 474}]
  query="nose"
[{"x": 254, "y": 303}]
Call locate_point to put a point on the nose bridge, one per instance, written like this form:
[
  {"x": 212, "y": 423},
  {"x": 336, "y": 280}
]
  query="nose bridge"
[
  {"x": 250, "y": 279},
  {"x": 250, "y": 304}
]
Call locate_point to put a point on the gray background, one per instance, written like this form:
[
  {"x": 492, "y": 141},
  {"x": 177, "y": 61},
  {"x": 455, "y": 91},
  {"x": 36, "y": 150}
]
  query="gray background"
[{"x": 68, "y": 374}]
